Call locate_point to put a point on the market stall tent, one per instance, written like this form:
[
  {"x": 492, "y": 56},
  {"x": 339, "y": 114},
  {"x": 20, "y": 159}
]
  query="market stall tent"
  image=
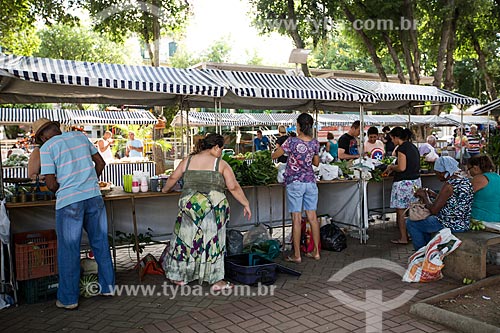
[
  {"x": 252, "y": 90},
  {"x": 15, "y": 116},
  {"x": 43, "y": 80},
  {"x": 492, "y": 107},
  {"x": 396, "y": 97},
  {"x": 11, "y": 116}
]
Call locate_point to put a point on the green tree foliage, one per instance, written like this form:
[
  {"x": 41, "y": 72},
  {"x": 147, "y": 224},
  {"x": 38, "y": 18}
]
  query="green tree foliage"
[
  {"x": 79, "y": 43},
  {"x": 18, "y": 19},
  {"x": 456, "y": 41},
  {"x": 148, "y": 19},
  {"x": 219, "y": 51}
]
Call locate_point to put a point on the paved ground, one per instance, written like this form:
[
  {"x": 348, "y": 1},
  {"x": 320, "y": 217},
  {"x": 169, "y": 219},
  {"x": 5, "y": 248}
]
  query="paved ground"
[{"x": 299, "y": 304}]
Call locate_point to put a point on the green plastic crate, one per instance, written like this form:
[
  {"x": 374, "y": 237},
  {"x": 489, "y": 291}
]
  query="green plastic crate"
[{"x": 39, "y": 290}]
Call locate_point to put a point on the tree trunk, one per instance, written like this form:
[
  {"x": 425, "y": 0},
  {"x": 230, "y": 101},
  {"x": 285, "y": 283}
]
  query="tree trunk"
[
  {"x": 159, "y": 160},
  {"x": 297, "y": 39},
  {"x": 443, "y": 45},
  {"x": 394, "y": 56},
  {"x": 408, "y": 58},
  {"x": 156, "y": 33},
  {"x": 449, "y": 79},
  {"x": 490, "y": 85},
  {"x": 368, "y": 44},
  {"x": 412, "y": 33}
]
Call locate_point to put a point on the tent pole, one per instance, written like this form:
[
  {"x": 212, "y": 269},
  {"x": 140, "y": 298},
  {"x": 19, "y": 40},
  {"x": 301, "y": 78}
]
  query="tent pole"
[
  {"x": 182, "y": 131},
  {"x": 188, "y": 139},
  {"x": 362, "y": 183},
  {"x": 216, "y": 117},
  {"x": 220, "y": 119},
  {"x": 462, "y": 133}
]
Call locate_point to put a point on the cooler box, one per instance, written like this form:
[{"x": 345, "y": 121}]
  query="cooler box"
[{"x": 250, "y": 268}]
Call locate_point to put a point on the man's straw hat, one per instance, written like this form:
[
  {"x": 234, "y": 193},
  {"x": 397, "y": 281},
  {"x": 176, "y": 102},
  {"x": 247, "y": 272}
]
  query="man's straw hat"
[{"x": 40, "y": 125}]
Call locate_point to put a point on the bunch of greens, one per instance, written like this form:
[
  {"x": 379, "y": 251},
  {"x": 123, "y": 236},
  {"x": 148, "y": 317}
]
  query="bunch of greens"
[
  {"x": 344, "y": 167},
  {"x": 261, "y": 171}
]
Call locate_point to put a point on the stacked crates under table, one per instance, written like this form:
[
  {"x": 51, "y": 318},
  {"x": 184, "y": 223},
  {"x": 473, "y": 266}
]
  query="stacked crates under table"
[{"x": 36, "y": 265}]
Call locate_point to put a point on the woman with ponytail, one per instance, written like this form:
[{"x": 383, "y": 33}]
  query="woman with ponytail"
[
  {"x": 301, "y": 188},
  {"x": 199, "y": 243},
  {"x": 406, "y": 177}
]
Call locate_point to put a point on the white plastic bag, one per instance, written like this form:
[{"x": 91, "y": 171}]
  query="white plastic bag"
[
  {"x": 426, "y": 264},
  {"x": 326, "y": 157},
  {"x": 281, "y": 172},
  {"x": 328, "y": 172},
  {"x": 431, "y": 156},
  {"x": 4, "y": 224}
]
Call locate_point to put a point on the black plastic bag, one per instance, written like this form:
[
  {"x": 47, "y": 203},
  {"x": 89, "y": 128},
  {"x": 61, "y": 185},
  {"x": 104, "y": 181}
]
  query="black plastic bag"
[
  {"x": 234, "y": 242},
  {"x": 332, "y": 238}
]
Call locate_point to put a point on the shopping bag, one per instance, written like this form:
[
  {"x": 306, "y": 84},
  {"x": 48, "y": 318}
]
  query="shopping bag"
[
  {"x": 417, "y": 211},
  {"x": 4, "y": 224},
  {"x": 426, "y": 264},
  {"x": 306, "y": 238}
]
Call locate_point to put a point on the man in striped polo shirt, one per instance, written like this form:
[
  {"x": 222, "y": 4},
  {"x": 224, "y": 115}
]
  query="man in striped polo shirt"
[
  {"x": 71, "y": 165},
  {"x": 475, "y": 141}
]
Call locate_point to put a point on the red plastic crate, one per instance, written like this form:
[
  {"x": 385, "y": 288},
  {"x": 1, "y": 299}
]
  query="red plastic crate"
[{"x": 36, "y": 254}]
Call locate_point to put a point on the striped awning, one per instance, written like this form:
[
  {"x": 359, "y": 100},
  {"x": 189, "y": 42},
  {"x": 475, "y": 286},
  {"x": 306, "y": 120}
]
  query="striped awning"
[
  {"x": 198, "y": 119},
  {"x": 76, "y": 81},
  {"x": 77, "y": 117},
  {"x": 275, "y": 91},
  {"x": 29, "y": 116},
  {"x": 85, "y": 117},
  {"x": 393, "y": 96},
  {"x": 490, "y": 108}
]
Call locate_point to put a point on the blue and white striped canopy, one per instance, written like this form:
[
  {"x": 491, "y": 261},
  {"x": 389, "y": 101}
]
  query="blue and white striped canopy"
[
  {"x": 492, "y": 107},
  {"x": 78, "y": 81},
  {"x": 274, "y": 91},
  {"x": 77, "y": 117},
  {"x": 27, "y": 116},
  {"x": 393, "y": 96},
  {"x": 85, "y": 117}
]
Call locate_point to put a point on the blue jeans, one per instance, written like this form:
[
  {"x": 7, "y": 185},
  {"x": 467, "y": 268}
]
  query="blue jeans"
[
  {"x": 421, "y": 231},
  {"x": 89, "y": 214}
]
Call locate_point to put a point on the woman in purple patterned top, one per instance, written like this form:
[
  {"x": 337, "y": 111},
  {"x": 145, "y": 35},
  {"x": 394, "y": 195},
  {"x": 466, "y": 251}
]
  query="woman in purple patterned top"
[{"x": 301, "y": 188}]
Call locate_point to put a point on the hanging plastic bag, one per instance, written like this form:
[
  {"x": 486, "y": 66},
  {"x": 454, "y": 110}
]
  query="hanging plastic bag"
[
  {"x": 281, "y": 173},
  {"x": 258, "y": 233},
  {"x": 431, "y": 156},
  {"x": 234, "y": 242},
  {"x": 306, "y": 238},
  {"x": 426, "y": 264},
  {"x": 4, "y": 224},
  {"x": 332, "y": 238}
]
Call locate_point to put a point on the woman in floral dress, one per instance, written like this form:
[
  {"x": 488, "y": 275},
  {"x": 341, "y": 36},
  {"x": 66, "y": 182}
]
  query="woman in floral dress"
[{"x": 199, "y": 243}]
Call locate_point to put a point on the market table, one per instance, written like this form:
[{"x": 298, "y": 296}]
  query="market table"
[{"x": 112, "y": 172}]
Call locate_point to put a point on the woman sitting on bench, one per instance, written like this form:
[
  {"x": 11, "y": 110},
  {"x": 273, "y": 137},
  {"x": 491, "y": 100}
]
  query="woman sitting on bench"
[
  {"x": 486, "y": 204},
  {"x": 451, "y": 207}
]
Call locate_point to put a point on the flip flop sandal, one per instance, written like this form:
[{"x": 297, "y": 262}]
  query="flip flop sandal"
[
  {"x": 310, "y": 255},
  {"x": 226, "y": 285},
  {"x": 398, "y": 242},
  {"x": 292, "y": 259},
  {"x": 178, "y": 283}
]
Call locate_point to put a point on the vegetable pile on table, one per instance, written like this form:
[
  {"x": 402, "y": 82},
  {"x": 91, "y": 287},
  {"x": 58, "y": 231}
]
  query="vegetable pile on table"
[
  {"x": 261, "y": 171},
  {"x": 15, "y": 160}
]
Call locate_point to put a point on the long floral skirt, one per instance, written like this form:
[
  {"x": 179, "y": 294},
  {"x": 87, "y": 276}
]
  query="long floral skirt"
[{"x": 199, "y": 242}]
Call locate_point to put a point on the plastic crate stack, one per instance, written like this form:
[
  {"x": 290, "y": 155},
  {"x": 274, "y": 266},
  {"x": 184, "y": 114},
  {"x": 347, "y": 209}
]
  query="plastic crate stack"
[{"x": 36, "y": 265}]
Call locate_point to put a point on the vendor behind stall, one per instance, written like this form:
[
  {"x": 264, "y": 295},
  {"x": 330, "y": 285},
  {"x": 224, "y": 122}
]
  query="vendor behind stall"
[{"x": 134, "y": 146}]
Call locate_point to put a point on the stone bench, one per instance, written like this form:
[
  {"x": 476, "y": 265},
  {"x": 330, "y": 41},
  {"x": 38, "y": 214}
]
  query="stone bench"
[{"x": 469, "y": 260}]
